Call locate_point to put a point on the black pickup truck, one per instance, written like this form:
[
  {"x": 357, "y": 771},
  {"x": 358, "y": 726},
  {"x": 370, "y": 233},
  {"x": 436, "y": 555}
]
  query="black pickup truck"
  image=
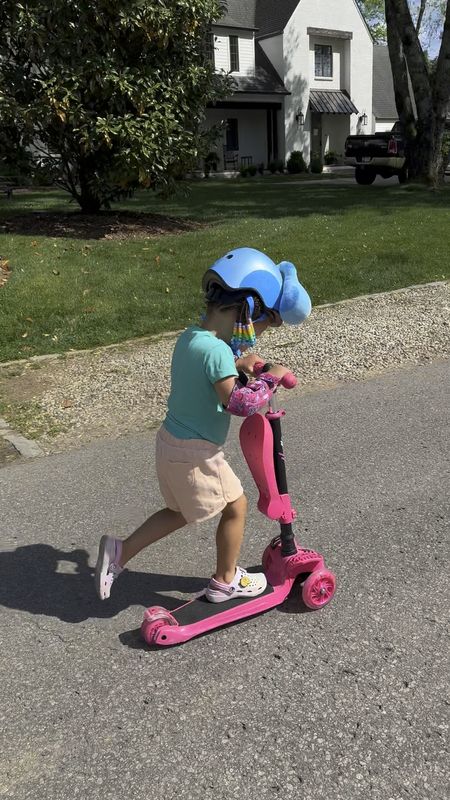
[{"x": 377, "y": 154}]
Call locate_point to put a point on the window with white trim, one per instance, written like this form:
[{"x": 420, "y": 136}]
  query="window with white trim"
[
  {"x": 323, "y": 61},
  {"x": 209, "y": 47},
  {"x": 234, "y": 53}
]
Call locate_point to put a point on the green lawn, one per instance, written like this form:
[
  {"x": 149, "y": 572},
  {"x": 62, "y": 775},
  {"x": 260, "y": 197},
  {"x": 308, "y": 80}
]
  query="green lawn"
[{"x": 345, "y": 240}]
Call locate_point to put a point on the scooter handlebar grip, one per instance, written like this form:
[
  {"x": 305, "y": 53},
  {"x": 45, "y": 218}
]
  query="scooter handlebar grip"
[{"x": 288, "y": 381}]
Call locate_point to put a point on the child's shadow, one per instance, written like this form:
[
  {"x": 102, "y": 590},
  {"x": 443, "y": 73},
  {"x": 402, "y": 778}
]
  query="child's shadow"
[{"x": 40, "y": 579}]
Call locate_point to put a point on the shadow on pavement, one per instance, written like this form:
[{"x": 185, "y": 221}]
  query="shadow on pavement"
[{"x": 43, "y": 580}]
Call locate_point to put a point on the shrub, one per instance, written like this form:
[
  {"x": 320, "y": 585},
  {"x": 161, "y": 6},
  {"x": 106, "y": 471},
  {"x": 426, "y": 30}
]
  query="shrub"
[
  {"x": 252, "y": 170},
  {"x": 210, "y": 163},
  {"x": 331, "y": 157},
  {"x": 244, "y": 171},
  {"x": 272, "y": 167},
  {"x": 316, "y": 164},
  {"x": 296, "y": 163}
]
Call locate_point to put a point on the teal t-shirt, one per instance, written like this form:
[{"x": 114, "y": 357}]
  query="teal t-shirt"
[{"x": 194, "y": 409}]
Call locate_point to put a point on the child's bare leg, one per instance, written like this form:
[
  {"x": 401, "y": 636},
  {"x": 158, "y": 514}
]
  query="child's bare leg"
[
  {"x": 155, "y": 527},
  {"x": 230, "y": 533}
]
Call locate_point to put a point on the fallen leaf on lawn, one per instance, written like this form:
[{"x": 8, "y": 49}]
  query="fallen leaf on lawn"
[
  {"x": 29, "y": 319},
  {"x": 86, "y": 291},
  {"x": 55, "y": 271},
  {"x": 24, "y": 335},
  {"x": 54, "y": 338},
  {"x": 167, "y": 290},
  {"x": 34, "y": 244},
  {"x": 4, "y": 264},
  {"x": 157, "y": 260},
  {"x": 67, "y": 403},
  {"x": 89, "y": 310},
  {"x": 45, "y": 334}
]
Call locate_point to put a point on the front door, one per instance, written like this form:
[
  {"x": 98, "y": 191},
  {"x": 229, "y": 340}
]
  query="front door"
[{"x": 316, "y": 135}]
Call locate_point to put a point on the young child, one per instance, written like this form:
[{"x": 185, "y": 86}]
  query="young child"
[{"x": 245, "y": 294}]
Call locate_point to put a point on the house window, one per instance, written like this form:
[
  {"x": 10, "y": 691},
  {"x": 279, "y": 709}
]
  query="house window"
[
  {"x": 323, "y": 61},
  {"x": 234, "y": 53},
  {"x": 232, "y": 140},
  {"x": 209, "y": 47}
]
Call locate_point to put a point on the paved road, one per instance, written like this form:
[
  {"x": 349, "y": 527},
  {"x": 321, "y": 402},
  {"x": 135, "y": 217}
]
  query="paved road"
[{"x": 345, "y": 703}]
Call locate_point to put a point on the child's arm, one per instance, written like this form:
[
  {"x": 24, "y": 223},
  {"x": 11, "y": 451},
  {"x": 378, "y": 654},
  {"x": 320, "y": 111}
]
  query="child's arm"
[{"x": 243, "y": 401}]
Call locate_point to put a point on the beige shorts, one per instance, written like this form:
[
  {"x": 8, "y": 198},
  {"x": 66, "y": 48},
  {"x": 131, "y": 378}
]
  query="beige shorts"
[{"x": 194, "y": 477}]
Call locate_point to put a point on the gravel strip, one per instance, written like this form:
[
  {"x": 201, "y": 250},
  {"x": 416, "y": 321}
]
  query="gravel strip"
[{"x": 118, "y": 390}]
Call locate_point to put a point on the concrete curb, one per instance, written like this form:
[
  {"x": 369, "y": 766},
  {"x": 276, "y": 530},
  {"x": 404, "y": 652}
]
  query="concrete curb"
[
  {"x": 172, "y": 334},
  {"x": 26, "y": 447}
]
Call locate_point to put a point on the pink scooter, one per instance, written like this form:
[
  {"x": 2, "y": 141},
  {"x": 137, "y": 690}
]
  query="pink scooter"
[{"x": 283, "y": 560}]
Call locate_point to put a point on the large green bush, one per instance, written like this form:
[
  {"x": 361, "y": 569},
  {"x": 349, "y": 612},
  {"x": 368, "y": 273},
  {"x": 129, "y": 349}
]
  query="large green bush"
[
  {"x": 110, "y": 93},
  {"x": 296, "y": 163}
]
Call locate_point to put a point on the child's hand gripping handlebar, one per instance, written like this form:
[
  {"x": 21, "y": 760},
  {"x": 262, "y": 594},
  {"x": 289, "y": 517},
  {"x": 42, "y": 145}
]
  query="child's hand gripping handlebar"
[{"x": 288, "y": 380}]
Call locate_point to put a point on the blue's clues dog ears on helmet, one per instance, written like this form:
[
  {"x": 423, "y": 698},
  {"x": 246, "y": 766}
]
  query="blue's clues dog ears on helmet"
[{"x": 294, "y": 303}]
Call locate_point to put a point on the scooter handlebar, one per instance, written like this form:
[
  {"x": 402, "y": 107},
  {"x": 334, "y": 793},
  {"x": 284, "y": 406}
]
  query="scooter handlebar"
[{"x": 288, "y": 380}]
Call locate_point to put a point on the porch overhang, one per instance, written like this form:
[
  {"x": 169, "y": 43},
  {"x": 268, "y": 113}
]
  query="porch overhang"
[{"x": 331, "y": 102}]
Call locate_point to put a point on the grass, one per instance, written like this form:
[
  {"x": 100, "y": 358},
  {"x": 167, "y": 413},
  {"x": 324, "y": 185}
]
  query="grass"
[{"x": 345, "y": 240}]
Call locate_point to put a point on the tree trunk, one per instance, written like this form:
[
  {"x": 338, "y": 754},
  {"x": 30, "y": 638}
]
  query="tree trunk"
[
  {"x": 423, "y": 120},
  {"x": 425, "y": 153},
  {"x": 89, "y": 201}
]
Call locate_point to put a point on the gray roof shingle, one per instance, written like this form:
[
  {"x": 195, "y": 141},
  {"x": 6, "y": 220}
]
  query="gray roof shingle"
[
  {"x": 273, "y": 15},
  {"x": 239, "y": 14},
  {"x": 266, "y": 79},
  {"x": 383, "y": 85},
  {"x": 266, "y": 16}
]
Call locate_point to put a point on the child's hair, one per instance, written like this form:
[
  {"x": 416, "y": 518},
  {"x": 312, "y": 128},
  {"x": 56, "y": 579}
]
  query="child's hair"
[{"x": 223, "y": 299}]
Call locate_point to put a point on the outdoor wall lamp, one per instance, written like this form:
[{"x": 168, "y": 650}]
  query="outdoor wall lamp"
[
  {"x": 363, "y": 119},
  {"x": 300, "y": 118}
]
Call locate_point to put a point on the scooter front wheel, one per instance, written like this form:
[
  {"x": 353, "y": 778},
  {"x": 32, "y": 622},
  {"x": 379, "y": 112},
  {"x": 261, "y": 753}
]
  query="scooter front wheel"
[{"x": 318, "y": 589}]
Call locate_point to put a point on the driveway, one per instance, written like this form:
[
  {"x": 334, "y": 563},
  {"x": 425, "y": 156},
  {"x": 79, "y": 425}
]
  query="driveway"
[{"x": 344, "y": 703}]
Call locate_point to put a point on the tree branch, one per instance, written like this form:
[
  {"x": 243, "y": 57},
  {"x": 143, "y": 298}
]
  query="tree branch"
[
  {"x": 441, "y": 89},
  {"x": 420, "y": 17}
]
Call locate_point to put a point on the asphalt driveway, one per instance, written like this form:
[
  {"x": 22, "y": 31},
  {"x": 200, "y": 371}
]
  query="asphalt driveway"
[{"x": 345, "y": 703}]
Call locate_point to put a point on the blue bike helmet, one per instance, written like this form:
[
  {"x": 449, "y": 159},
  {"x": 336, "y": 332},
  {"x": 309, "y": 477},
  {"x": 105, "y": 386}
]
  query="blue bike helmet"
[{"x": 248, "y": 273}]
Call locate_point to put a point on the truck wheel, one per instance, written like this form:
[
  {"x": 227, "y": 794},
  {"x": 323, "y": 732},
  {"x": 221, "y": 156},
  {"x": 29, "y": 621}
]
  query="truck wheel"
[
  {"x": 365, "y": 176},
  {"x": 403, "y": 175}
]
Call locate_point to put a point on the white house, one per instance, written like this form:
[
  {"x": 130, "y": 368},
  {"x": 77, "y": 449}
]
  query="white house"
[{"x": 303, "y": 73}]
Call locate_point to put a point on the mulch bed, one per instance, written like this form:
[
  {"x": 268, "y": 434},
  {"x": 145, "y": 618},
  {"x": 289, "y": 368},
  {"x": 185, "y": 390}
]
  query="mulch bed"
[{"x": 104, "y": 225}]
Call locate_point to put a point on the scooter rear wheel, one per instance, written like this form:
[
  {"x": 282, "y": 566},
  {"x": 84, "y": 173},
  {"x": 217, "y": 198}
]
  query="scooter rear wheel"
[
  {"x": 155, "y": 618},
  {"x": 318, "y": 589}
]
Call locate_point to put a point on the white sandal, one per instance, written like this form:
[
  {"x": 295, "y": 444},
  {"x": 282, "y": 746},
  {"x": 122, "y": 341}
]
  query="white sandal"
[
  {"x": 245, "y": 584},
  {"x": 107, "y": 568}
]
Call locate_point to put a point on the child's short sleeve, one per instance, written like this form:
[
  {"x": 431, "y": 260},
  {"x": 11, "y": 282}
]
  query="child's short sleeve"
[{"x": 219, "y": 363}]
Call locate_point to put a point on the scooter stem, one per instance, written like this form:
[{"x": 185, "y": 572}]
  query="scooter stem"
[{"x": 288, "y": 545}]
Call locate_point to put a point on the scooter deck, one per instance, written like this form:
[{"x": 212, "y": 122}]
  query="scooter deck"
[
  {"x": 200, "y": 608},
  {"x": 200, "y": 616}
]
